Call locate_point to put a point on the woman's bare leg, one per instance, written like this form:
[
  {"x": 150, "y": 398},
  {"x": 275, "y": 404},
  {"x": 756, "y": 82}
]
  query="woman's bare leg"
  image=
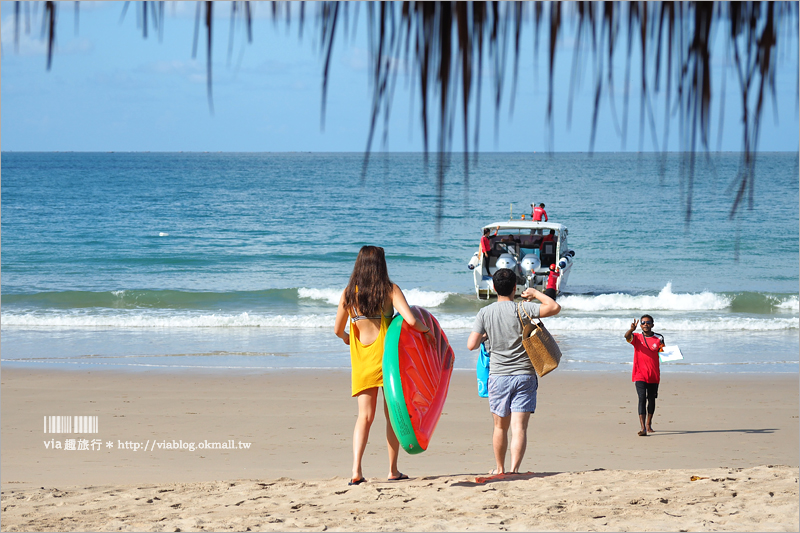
[
  {"x": 392, "y": 443},
  {"x": 367, "y": 400}
]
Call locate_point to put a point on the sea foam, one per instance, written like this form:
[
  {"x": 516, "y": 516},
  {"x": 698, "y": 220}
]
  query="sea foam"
[
  {"x": 145, "y": 319},
  {"x": 581, "y": 324},
  {"x": 413, "y": 296},
  {"x": 711, "y": 324},
  {"x": 665, "y": 300},
  {"x": 329, "y": 296},
  {"x": 790, "y": 304}
]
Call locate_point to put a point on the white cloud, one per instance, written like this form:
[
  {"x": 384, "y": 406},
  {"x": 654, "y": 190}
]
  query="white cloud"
[{"x": 28, "y": 45}]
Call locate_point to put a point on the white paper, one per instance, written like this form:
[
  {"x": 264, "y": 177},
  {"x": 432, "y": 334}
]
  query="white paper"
[{"x": 671, "y": 353}]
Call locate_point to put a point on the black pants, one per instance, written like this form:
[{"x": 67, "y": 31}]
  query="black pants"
[
  {"x": 551, "y": 293},
  {"x": 648, "y": 392}
]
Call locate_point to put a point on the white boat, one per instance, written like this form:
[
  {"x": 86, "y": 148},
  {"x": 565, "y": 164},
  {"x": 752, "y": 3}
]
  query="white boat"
[{"x": 517, "y": 244}]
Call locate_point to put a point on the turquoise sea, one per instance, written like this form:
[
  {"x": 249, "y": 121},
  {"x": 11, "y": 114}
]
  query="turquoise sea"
[{"x": 168, "y": 261}]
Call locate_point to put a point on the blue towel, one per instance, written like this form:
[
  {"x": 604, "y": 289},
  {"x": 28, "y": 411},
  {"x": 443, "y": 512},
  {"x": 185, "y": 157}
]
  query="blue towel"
[{"x": 482, "y": 371}]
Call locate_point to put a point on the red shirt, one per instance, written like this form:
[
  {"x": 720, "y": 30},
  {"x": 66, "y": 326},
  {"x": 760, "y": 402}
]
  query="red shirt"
[
  {"x": 546, "y": 238},
  {"x": 485, "y": 244},
  {"x": 538, "y": 213},
  {"x": 645, "y": 358},
  {"x": 552, "y": 279}
]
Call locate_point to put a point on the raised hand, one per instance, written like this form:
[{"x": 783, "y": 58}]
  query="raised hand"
[{"x": 529, "y": 293}]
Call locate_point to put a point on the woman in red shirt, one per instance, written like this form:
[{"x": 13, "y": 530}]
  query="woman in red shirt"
[{"x": 646, "y": 371}]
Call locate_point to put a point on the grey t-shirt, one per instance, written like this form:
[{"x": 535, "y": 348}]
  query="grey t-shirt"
[{"x": 500, "y": 322}]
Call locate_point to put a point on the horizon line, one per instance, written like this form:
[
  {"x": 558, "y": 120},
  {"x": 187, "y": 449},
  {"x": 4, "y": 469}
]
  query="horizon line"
[{"x": 545, "y": 152}]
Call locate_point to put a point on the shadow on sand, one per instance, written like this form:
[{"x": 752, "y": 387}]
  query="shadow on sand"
[
  {"x": 764, "y": 431},
  {"x": 483, "y": 480}
]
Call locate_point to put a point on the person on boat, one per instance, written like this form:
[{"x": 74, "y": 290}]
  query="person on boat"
[
  {"x": 486, "y": 246},
  {"x": 368, "y": 302},
  {"x": 550, "y": 237},
  {"x": 538, "y": 213},
  {"x": 512, "y": 380},
  {"x": 646, "y": 369},
  {"x": 552, "y": 281}
]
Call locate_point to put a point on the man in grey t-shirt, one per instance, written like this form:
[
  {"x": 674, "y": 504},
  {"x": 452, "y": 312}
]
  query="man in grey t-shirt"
[{"x": 512, "y": 380}]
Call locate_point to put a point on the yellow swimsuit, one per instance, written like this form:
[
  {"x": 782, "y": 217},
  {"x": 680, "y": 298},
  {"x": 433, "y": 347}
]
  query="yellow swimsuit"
[{"x": 367, "y": 361}]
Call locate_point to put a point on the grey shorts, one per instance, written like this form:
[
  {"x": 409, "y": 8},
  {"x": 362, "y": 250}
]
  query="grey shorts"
[{"x": 515, "y": 394}]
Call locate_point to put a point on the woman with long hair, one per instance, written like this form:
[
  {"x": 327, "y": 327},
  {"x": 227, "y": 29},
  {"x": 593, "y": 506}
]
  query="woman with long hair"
[{"x": 368, "y": 302}]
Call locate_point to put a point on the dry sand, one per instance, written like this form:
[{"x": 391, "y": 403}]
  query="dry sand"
[{"x": 738, "y": 431}]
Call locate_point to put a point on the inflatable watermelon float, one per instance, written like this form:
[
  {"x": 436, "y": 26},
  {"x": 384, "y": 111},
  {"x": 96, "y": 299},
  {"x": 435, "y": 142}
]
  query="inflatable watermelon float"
[{"x": 416, "y": 376}]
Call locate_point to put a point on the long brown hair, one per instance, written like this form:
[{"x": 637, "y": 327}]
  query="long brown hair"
[{"x": 369, "y": 286}]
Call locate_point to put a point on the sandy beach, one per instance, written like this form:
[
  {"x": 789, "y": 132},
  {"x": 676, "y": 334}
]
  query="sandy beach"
[{"x": 590, "y": 471}]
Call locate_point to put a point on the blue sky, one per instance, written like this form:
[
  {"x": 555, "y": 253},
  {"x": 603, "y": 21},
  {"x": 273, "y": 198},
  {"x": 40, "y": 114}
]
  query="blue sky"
[{"x": 109, "y": 89}]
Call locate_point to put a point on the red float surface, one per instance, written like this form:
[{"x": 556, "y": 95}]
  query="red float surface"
[{"x": 425, "y": 371}]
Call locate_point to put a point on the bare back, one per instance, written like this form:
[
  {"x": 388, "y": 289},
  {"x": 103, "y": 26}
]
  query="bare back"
[{"x": 367, "y": 329}]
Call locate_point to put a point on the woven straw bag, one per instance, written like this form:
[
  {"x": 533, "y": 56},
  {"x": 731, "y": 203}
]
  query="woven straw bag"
[{"x": 539, "y": 344}]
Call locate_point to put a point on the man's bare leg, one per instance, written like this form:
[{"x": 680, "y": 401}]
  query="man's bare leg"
[
  {"x": 367, "y": 401},
  {"x": 391, "y": 442},
  {"x": 519, "y": 439},
  {"x": 643, "y": 431},
  {"x": 500, "y": 441},
  {"x": 650, "y": 423}
]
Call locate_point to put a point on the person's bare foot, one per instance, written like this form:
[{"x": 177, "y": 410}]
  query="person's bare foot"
[
  {"x": 651, "y": 430},
  {"x": 642, "y": 433}
]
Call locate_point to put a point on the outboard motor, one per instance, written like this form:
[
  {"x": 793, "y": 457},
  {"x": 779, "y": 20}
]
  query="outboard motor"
[
  {"x": 529, "y": 264},
  {"x": 506, "y": 261}
]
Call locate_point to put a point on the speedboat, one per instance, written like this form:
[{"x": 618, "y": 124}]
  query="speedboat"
[{"x": 528, "y": 248}]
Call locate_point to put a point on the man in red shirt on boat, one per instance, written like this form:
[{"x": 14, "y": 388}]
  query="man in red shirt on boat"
[
  {"x": 538, "y": 213},
  {"x": 646, "y": 369}
]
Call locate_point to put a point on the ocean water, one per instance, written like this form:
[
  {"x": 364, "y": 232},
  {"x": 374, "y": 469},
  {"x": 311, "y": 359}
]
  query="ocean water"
[{"x": 169, "y": 261}]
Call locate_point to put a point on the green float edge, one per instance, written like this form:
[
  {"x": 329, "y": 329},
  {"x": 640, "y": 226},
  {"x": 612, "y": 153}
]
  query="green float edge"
[{"x": 393, "y": 390}]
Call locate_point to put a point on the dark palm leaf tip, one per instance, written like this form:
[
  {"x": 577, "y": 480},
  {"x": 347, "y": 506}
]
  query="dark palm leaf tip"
[
  {"x": 687, "y": 29},
  {"x": 423, "y": 33}
]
